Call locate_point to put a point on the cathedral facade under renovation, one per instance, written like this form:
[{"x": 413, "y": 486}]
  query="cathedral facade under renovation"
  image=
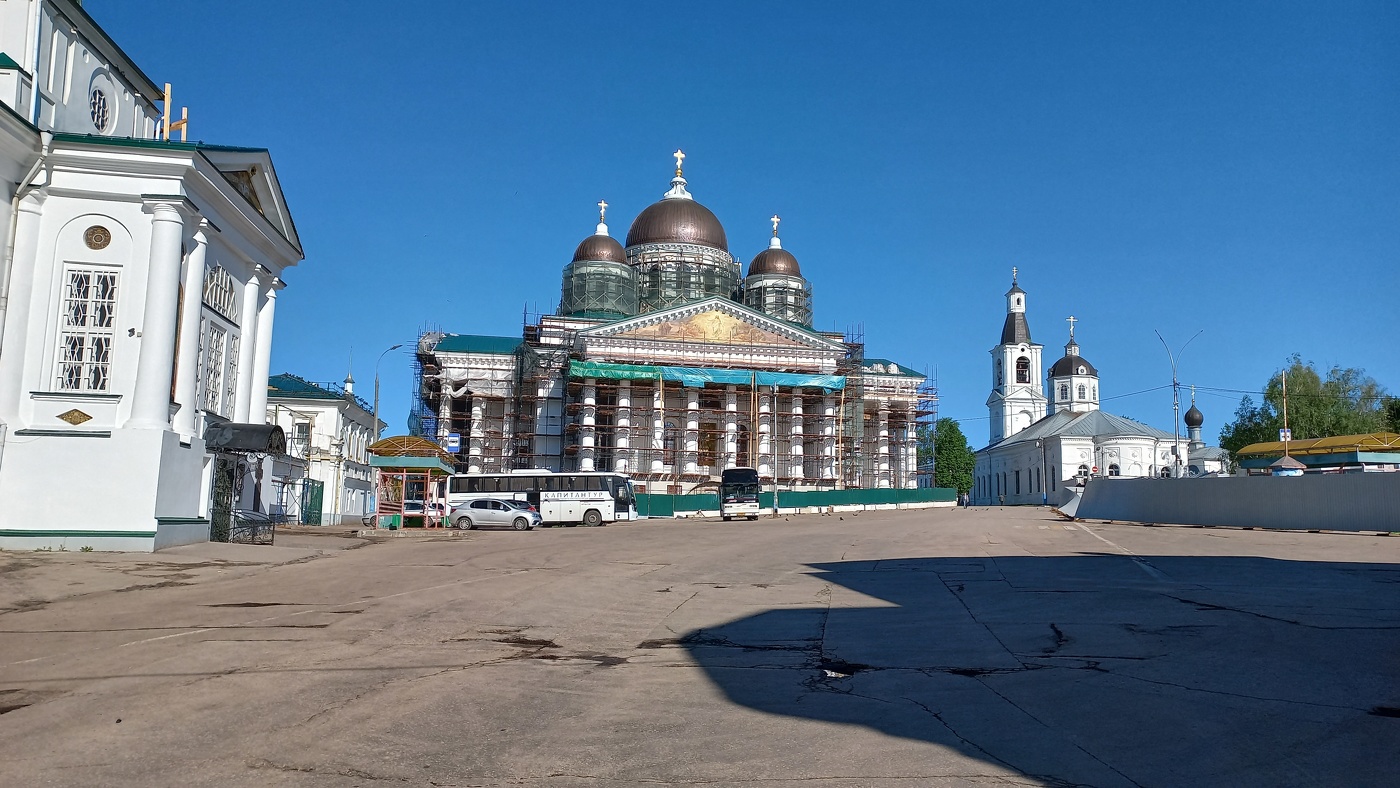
[{"x": 668, "y": 362}]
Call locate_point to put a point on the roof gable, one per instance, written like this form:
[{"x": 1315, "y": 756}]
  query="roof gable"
[{"x": 713, "y": 321}]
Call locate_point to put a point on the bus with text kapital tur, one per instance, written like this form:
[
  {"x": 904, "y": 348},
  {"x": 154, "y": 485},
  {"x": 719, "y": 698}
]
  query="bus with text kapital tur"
[
  {"x": 565, "y": 498},
  {"x": 738, "y": 493}
]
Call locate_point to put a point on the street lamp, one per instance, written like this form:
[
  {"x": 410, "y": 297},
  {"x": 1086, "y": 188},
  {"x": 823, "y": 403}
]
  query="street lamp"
[
  {"x": 1176, "y": 400},
  {"x": 376, "y": 388}
]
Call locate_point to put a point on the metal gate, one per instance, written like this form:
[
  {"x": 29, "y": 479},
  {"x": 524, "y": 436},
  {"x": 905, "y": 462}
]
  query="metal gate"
[
  {"x": 226, "y": 479},
  {"x": 312, "y": 495}
]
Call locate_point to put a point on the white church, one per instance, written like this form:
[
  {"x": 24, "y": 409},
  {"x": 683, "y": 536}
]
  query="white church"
[
  {"x": 1047, "y": 431},
  {"x": 138, "y": 286}
]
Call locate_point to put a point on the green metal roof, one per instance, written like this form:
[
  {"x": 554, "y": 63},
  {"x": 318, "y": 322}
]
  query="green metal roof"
[
  {"x": 288, "y": 385},
  {"x": 477, "y": 343},
  {"x": 903, "y": 370},
  {"x": 8, "y": 63},
  {"x": 138, "y": 142}
]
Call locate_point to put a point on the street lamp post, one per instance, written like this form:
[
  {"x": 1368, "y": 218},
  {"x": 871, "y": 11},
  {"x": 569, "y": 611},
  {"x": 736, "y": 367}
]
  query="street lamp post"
[
  {"x": 1176, "y": 401},
  {"x": 376, "y": 388}
]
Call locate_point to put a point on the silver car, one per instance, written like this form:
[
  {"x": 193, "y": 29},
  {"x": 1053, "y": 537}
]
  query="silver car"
[{"x": 479, "y": 512}]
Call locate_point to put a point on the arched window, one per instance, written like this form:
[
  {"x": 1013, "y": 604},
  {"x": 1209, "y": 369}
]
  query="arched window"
[
  {"x": 998, "y": 372},
  {"x": 1081, "y": 391},
  {"x": 1023, "y": 370},
  {"x": 1096, "y": 392},
  {"x": 1064, "y": 392},
  {"x": 1083, "y": 472},
  {"x": 1113, "y": 470},
  {"x": 1166, "y": 473}
]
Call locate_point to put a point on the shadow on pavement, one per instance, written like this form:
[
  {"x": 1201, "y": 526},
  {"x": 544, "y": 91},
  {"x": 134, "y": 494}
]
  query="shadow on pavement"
[{"x": 1099, "y": 670}]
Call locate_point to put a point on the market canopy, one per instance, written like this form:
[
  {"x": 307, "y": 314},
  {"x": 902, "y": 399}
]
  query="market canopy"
[
  {"x": 1372, "y": 442},
  {"x": 409, "y": 446}
]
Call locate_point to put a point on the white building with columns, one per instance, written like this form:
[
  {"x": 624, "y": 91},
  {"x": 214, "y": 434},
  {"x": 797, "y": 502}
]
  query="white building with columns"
[
  {"x": 1037, "y": 459},
  {"x": 667, "y": 361},
  {"x": 138, "y": 288}
]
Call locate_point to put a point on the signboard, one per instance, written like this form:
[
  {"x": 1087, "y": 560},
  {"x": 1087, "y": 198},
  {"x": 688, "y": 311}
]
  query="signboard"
[
  {"x": 454, "y": 442},
  {"x": 1285, "y": 435},
  {"x": 1094, "y": 469}
]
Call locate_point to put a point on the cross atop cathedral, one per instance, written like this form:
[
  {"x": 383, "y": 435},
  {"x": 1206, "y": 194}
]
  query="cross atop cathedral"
[
  {"x": 1014, "y": 271},
  {"x": 602, "y": 210},
  {"x": 680, "y": 157},
  {"x": 775, "y": 221},
  {"x": 1071, "y": 320}
]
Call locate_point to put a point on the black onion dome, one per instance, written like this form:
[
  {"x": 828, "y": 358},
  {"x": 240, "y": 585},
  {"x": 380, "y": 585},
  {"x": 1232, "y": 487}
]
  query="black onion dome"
[
  {"x": 677, "y": 221},
  {"x": 1194, "y": 417},
  {"x": 774, "y": 261},
  {"x": 600, "y": 248},
  {"x": 1069, "y": 365}
]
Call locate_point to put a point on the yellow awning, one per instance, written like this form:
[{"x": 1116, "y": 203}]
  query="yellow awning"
[{"x": 1376, "y": 441}]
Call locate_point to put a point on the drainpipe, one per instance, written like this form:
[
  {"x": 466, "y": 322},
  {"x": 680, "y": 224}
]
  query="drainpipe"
[{"x": 45, "y": 145}]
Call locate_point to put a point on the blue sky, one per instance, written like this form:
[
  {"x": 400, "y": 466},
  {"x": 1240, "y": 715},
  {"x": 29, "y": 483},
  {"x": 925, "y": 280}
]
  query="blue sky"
[{"x": 1233, "y": 167}]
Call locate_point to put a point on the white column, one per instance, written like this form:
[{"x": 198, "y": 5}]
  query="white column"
[
  {"x": 262, "y": 360},
  {"x": 911, "y": 452},
  {"x": 829, "y": 438},
  {"x": 444, "y": 414},
  {"x": 882, "y": 466},
  {"x": 765, "y": 426},
  {"x": 795, "y": 439},
  {"x": 588, "y": 420},
  {"x": 247, "y": 346},
  {"x": 622, "y": 434},
  {"x": 476, "y": 442},
  {"x": 21, "y": 296},
  {"x": 658, "y": 428},
  {"x": 187, "y": 363},
  {"x": 692, "y": 430},
  {"x": 150, "y": 402},
  {"x": 731, "y": 427}
]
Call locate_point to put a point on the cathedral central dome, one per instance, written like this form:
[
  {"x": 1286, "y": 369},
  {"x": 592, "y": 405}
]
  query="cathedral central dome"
[{"x": 677, "y": 221}]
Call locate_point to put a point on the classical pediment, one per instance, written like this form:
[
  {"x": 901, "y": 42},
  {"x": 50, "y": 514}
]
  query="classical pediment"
[{"x": 712, "y": 321}]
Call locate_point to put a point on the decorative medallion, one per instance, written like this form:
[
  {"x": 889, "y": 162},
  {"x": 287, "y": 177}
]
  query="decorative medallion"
[
  {"x": 75, "y": 417},
  {"x": 97, "y": 237}
]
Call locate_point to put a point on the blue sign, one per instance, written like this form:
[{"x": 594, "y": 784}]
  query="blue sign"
[
  {"x": 454, "y": 442},
  {"x": 1285, "y": 435}
]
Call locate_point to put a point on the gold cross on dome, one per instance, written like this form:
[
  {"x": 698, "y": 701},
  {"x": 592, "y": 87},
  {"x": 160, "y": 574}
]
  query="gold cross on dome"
[
  {"x": 680, "y": 157},
  {"x": 1071, "y": 320},
  {"x": 602, "y": 210},
  {"x": 775, "y": 221}
]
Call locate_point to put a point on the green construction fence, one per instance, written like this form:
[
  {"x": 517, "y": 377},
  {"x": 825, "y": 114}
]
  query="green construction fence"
[{"x": 664, "y": 505}]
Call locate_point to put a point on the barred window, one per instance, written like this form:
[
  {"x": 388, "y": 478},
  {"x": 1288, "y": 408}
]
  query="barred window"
[
  {"x": 86, "y": 331},
  {"x": 212, "y": 391},
  {"x": 231, "y": 378},
  {"x": 219, "y": 294}
]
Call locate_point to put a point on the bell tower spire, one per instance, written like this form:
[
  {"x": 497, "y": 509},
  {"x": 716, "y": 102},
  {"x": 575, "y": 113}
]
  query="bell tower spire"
[{"x": 1018, "y": 396}]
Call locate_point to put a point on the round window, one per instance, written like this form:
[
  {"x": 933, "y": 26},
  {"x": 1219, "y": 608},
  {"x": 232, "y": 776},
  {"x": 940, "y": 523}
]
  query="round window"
[{"x": 99, "y": 110}]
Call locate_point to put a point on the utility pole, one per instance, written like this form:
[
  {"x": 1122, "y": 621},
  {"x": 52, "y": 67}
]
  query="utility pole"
[
  {"x": 376, "y": 388},
  {"x": 1176, "y": 401}
]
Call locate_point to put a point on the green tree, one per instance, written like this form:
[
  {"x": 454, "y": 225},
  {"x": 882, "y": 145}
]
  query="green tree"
[
  {"x": 1392, "y": 414},
  {"x": 1341, "y": 402},
  {"x": 953, "y": 460}
]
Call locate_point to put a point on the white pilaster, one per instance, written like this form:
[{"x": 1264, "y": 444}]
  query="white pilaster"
[
  {"x": 692, "y": 430},
  {"x": 187, "y": 363},
  {"x": 622, "y": 434},
  {"x": 247, "y": 347},
  {"x": 828, "y": 438},
  {"x": 262, "y": 360},
  {"x": 588, "y": 420},
  {"x": 476, "y": 441},
  {"x": 150, "y": 402},
  {"x": 765, "y": 426},
  {"x": 795, "y": 436},
  {"x": 17, "y": 310},
  {"x": 882, "y": 451},
  {"x": 658, "y": 428},
  {"x": 731, "y": 427}
]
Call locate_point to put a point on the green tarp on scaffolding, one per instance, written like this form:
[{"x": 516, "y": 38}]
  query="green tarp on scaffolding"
[{"x": 697, "y": 377}]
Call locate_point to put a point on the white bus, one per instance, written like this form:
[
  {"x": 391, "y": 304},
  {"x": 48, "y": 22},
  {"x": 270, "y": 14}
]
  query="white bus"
[{"x": 561, "y": 498}]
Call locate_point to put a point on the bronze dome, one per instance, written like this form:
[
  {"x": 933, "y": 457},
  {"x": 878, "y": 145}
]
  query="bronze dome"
[
  {"x": 677, "y": 221},
  {"x": 600, "y": 248},
  {"x": 774, "y": 261}
]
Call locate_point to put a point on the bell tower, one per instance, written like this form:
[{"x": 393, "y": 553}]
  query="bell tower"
[{"x": 1018, "y": 397}]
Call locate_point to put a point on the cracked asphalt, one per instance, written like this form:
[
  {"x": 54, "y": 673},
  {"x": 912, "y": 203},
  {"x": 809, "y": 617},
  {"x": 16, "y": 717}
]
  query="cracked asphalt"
[{"x": 987, "y": 647}]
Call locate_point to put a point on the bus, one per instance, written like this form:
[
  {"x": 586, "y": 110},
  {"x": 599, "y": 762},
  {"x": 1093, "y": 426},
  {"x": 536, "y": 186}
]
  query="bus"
[
  {"x": 738, "y": 493},
  {"x": 561, "y": 498}
]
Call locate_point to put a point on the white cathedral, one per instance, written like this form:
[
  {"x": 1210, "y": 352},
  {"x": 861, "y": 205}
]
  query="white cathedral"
[
  {"x": 138, "y": 285},
  {"x": 1047, "y": 437}
]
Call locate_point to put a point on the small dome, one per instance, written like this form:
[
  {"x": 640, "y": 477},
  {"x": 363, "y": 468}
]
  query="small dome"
[
  {"x": 683, "y": 221},
  {"x": 774, "y": 261},
  {"x": 1194, "y": 417},
  {"x": 600, "y": 248},
  {"x": 1072, "y": 365}
]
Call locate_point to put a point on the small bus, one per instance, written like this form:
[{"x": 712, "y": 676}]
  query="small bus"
[
  {"x": 561, "y": 498},
  {"x": 738, "y": 493}
]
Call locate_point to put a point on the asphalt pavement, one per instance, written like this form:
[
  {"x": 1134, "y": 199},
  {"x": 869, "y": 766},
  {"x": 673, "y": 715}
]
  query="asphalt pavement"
[{"x": 912, "y": 648}]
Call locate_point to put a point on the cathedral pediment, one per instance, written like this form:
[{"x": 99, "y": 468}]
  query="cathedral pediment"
[{"x": 713, "y": 321}]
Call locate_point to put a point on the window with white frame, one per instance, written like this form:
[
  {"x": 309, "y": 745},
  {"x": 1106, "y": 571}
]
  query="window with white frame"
[
  {"x": 86, "y": 329},
  {"x": 219, "y": 294},
  {"x": 231, "y": 379},
  {"x": 212, "y": 388}
]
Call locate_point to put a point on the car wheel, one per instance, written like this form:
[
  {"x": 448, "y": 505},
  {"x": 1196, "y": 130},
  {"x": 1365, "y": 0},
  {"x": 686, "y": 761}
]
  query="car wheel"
[
  {"x": 753, "y": 517},
  {"x": 592, "y": 518},
  {"x": 465, "y": 523},
  {"x": 726, "y": 518},
  {"x": 521, "y": 524}
]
